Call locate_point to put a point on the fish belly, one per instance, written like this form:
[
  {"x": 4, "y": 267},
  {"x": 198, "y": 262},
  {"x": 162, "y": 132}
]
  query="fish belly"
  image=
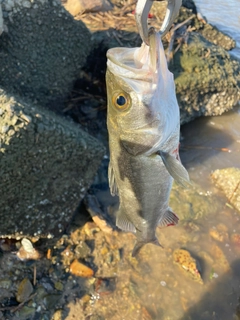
[{"x": 144, "y": 188}]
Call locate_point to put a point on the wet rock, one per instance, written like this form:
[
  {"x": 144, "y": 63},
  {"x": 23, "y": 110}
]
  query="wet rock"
[
  {"x": 42, "y": 178},
  {"x": 192, "y": 204},
  {"x": 26, "y": 313},
  {"x": 79, "y": 269},
  {"x": 82, "y": 250},
  {"x": 228, "y": 180},
  {"x": 25, "y": 289},
  {"x": 58, "y": 285},
  {"x": 187, "y": 263},
  {"x": 50, "y": 300},
  {"x": 36, "y": 64},
  {"x": 76, "y": 7}
]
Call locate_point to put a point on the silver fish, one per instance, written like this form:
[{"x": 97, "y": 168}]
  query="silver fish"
[{"x": 143, "y": 124}]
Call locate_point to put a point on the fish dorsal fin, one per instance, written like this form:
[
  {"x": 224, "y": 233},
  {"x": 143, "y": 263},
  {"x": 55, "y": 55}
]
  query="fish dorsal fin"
[
  {"x": 123, "y": 222},
  {"x": 112, "y": 181},
  {"x": 169, "y": 219},
  {"x": 175, "y": 169}
]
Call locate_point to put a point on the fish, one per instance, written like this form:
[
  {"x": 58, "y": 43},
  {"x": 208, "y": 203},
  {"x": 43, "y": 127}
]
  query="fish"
[{"x": 143, "y": 121}]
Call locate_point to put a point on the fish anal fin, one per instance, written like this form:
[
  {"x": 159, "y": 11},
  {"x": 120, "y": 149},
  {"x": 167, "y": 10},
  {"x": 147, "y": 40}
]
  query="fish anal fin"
[
  {"x": 112, "y": 181},
  {"x": 123, "y": 222},
  {"x": 175, "y": 169},
  {"x": 140, "y": 244},
  {"x": 169, "y": 219}
]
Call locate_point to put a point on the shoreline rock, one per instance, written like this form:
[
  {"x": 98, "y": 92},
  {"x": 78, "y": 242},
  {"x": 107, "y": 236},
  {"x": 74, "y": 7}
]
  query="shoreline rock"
[{"x": 47, "y": 163}]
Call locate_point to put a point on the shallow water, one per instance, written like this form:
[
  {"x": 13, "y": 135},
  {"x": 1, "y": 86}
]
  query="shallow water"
[{"x": 153, "y": 286}]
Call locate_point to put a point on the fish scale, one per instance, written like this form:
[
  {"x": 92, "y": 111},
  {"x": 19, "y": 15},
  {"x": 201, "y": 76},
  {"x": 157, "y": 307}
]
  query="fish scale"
[{"x": 143, "y": 123}]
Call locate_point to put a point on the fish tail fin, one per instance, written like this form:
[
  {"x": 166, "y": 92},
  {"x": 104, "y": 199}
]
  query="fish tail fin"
[
  {"x": 140, "y": 244},
  {"x": 169, "y": 219},
  {"x": 175, "y": 169}
]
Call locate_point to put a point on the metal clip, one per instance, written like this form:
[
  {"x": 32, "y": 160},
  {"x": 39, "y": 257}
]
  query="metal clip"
[{"x": 141, "y": 15}]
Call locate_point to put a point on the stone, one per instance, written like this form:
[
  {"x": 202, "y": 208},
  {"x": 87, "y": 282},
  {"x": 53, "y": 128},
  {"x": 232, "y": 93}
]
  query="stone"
[
  {"x": 25, "y": 289},
  {"x": 207, "y": 79},
  {"x": 228, "y": 180},
  {"x": 46, "y": 168},
  {"x": 43, "y": 52},
  {"x": 81, "y": 270},
  {"x": 187, "y": 263}
]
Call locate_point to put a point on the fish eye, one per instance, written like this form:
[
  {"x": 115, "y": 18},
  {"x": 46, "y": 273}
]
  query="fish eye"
[{"x": 121, "y": 101}]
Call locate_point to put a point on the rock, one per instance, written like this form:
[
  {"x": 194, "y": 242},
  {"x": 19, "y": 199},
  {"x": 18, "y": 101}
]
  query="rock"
[
  {"x": 27, "y": 251},
  {"x": 82, "y": 250},
  {"x": 186, "y": 262},
  {"x": 79, "y": 269},
  {"x": 207, "y": 79},
  {"x": 50, "y": 300},
  {"x": 192, "y": 203},
  {"x": 76, "y": 7},
  {"x": 35, "y": 63},
  {"x": 26, "y": 313},
  {"x": 228, "y": 180},
  {"x": 25, "y": 289},
  {"x": 46, "y": 167}
]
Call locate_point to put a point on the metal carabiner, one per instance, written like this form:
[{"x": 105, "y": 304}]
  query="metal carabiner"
[{"x": 141, "y": 15}]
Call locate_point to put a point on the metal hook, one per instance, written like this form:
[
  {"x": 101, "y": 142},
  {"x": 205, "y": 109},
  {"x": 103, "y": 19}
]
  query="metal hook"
[{"x": 141, "y": 15}]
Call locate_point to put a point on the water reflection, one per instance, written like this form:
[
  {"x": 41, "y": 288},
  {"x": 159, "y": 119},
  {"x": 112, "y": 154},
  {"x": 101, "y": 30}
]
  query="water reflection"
[{"x": 211, "y": 143}]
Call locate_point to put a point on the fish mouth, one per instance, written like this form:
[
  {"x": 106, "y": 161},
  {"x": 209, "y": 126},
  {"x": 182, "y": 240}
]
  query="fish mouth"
[{"x": 132, "y": 63}]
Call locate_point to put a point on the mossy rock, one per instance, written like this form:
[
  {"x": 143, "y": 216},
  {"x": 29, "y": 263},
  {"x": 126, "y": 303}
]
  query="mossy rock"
[{"x": 207, "y": 79}]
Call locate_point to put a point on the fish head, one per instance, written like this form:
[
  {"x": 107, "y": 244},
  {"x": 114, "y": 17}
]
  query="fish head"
[{"x": 141, "y": 93}]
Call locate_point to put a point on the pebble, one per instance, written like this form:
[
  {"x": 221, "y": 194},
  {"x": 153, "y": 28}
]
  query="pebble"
[
  {"x": 57, "y": 315},
  {"x": 25, "y": 289},
  {"x": 187, "y": 263},
  {"x": 50, "y": 300},
  {"x": 26, "y": 313},
  {"x": 5, "y": 284},
  {"x": 58, "y": 285},
  {"x": 82, "y": 250},
  {"x": 79, "y": 269}
]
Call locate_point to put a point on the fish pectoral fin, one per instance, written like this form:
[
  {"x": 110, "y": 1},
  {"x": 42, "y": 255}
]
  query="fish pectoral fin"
[
  {"x": 123, "y": 222},
  {"x": 140, "y": 244},
  {"x": 112, "y": 181},
  {"x": 175, "y": 169},
  {"x": 169, "y": 219}
]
